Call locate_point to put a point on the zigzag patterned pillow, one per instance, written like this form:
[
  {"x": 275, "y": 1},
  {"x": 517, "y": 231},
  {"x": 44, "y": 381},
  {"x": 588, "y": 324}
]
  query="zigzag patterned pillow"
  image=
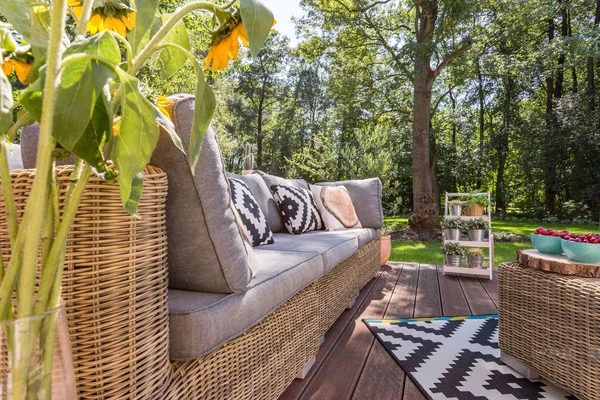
[
  {"x": 252, "y": 216},
  {"x": 298, "y": 209}
]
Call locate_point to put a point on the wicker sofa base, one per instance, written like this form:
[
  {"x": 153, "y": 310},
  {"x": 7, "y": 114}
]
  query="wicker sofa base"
[
  {"x": 261, "y": 363},
  {"x": 551, "y": 323}
]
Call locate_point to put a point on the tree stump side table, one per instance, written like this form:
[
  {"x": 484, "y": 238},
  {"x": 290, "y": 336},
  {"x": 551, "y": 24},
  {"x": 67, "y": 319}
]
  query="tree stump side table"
[{"x": 550, "y": 323}]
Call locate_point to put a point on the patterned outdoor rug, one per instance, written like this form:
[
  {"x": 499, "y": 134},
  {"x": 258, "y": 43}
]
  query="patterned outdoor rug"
[{"x": 457, "y": 358}]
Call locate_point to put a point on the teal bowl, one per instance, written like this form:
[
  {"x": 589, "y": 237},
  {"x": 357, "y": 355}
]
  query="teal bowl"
[
  {"x": 547, "y": 244},
  {"x": 587, "y": 253}
]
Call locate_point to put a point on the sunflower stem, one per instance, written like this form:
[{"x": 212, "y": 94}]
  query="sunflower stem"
[
  {"x": 86, "y": 12},
  {"x": 179, "y": 14}
]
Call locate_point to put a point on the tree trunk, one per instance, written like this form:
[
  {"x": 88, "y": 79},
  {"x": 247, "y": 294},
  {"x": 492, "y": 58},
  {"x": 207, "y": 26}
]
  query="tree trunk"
[
  {"x": 503, "y": 150},
  {"x": 259, "y": 136},
  {"x": 550, "y": 140},
  {"x": 424, "y": 215},
  {"x": 481, "y": 118},
  {"x": 590, "y": 65},
  {"x": 573, "y": 68}
]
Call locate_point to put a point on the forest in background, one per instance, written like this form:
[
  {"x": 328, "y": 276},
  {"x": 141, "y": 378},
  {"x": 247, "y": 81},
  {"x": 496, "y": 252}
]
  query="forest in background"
[{"x": 514, "y": 101}]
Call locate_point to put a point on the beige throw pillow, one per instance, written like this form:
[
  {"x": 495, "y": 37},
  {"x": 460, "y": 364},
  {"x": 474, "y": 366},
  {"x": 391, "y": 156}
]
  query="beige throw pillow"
[{"x": 335, "y": 207}]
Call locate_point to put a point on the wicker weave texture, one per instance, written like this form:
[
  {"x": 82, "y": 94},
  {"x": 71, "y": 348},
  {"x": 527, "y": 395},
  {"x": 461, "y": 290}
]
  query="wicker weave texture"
[
  {"x": 114, "y": 286},
  {"x": 261, "y": 363},
  {"x": 551, "y": 323}
]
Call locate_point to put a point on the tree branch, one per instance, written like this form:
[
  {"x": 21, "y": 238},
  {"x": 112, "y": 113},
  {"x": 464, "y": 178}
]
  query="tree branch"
[{"x": 450, "y": 57}]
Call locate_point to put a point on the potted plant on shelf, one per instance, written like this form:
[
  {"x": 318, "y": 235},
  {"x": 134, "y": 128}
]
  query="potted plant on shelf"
[
  {"x": 475, "y": 205},
  {"x": 84, "y": 90},
  {"x": 452, "y": 228},
  {"x": 248, "y": 160},
  {"x": 476, "y": 229},
  {"x": 453, "y": 253},
  {"x": 455, "y": 208},
  {"x": 475, "y": 257}
]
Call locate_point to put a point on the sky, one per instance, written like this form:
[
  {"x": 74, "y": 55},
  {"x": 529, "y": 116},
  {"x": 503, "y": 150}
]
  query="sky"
[{"x": 284, "y": 10}]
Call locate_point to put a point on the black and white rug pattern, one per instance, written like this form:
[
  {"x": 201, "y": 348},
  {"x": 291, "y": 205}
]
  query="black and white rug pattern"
[{"x": 457, "y": 358}]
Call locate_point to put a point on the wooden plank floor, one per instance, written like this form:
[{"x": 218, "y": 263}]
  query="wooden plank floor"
[{"x": 351, "y": 364}]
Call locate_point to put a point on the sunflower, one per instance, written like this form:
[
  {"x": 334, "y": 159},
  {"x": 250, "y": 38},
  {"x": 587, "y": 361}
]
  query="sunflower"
[
  {"x": 226, "y": 46},
  {"x": 108, "y": 15},
  {"x": 22, "y": 69},
  {"x": 164, "y": 104}
]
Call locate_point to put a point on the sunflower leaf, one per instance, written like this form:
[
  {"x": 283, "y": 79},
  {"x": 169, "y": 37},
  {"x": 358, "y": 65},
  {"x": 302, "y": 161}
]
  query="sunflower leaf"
[
  {"x": 137, "y": 138},
  {"x": 204, "y": 109},
  {"x": 144, "y": 19},
  {"x": 22, "y": 15},
  {"x": 169, "y": 127},
  {"x": 6, "y": 103},
  {"x": 258, "y": 21},
  {"x": 171, "y": 60}
]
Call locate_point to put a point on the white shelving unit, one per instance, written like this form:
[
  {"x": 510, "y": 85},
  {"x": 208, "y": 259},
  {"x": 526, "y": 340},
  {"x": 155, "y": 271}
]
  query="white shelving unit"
[{"x": 488, "y": 268}]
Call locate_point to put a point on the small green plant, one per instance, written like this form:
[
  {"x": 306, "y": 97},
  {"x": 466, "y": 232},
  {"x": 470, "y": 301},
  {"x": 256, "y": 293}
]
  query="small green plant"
[
  {"x": 453, "y": 249},
  {"x": 390, "y": 227},
  {"x": 248, "y": 157},
  {"x": 475, "y": 252},
  {"x": 479, "y": 223},
  {"x": 481, "y": 200},
  {"x": 452, "y": 224}
]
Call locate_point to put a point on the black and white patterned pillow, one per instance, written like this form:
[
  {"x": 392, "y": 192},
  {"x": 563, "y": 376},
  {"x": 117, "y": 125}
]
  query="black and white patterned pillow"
[
  {"x": 298, "y": 209},
  {"x": 252, "y": 216}
]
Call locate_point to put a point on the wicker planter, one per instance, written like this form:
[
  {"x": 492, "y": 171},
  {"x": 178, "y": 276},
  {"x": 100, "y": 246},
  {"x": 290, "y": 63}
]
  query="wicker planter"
[
  {"x": 474, "y": 210},
  {"x": 476, "y": 235},
  {"x": 386, "y": 249},
  {"x": 452, "y": 234}
]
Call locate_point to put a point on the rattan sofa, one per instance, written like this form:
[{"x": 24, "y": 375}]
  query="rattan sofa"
[{"x": 135, "y": 337}]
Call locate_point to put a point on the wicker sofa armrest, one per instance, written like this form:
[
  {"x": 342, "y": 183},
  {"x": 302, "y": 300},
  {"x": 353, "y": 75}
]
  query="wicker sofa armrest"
[{"x": 366, "y": 196}]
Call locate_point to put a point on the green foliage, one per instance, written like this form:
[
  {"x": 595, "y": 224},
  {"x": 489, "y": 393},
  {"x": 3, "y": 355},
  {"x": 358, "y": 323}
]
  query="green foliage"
[
  {"x": 475, "y": 252},
  {"x": 478, "y": 223},
  {"x": 392, "y": 226},
  {"x": 258, "y": 21},
  {"x": 453, "y": 249},
  {"x": 452, "y": 224},
  {"x": 481, "y": 200}
]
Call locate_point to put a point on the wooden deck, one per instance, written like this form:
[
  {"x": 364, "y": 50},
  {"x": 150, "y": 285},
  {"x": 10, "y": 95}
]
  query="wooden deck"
[{"x": 351, "y": 363}]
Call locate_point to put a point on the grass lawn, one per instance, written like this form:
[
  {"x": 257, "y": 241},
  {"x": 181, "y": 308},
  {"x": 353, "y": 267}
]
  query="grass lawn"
[{"x": 429, "y": 251}]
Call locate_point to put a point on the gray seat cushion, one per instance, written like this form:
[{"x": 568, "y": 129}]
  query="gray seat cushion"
[
  {"x": 207, "y": 251},
  {"x": 366, "y": 235},
  {"x": 201, "y": 322},
  {"x": 366, "y": 197},
  {"x": 334, "y": 247},
  {"x": 29, "y": 144},
  {"x": 264, "y": 198},
  {"x": 13, "y": 152}
]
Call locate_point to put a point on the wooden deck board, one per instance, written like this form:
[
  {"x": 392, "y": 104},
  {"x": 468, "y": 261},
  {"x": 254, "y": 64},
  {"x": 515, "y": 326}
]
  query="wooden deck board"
[{"x": 352, "y": 364}]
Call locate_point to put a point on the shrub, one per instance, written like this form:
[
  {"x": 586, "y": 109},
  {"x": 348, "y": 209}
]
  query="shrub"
[
  {"x": 481, "y": 200},
  {"x": 475, "y": 252},
  {"x": 479, "y": 223},
  {"x": 452, "y": 224},
  {"x": 453, "y": 249}
]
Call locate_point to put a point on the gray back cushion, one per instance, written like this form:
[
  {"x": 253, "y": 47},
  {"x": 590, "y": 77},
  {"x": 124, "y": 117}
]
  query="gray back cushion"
[
  {"x": 13, "y": 153},
  {"x": 207, "y": 251},
  {"x": 29, "y": 144},
  {"x": 366, "y": 197},
  {"x": 264, "y": 198}
]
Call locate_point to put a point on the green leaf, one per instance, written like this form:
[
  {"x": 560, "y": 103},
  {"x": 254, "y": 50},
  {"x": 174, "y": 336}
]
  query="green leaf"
[
  {"x": 31, "y": 98},
  {"x": 137, "y": 138},
  {"x": 137, "y": 185},
  {"x": 81, "y": 83},
  {"x": 89, "y": 145},
  {"x": 144, "y": 19},
  {"x": 258, "y": 21},
  {"x": 169, "y": 127},
  {"x": 25, "y": 20},
  {"x": 171, "y": 60},
  {"x": 203, "y": 112},
  {"x": 6, "y": 103}
]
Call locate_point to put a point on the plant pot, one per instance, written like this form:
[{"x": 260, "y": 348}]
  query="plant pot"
[
  {"x": 474, "y": 210},
  {"x": 247, "y": 171},
  {"x": 27, "y": 369},
  {"x": 455, "y": 209},
  {"x": 386, "y": 248},
  {"x": 476, "y": 235},
  {"x": 475, "y": 261},
  {"x": 452, "y": 260},
  {"x": 452, "y": 234}
]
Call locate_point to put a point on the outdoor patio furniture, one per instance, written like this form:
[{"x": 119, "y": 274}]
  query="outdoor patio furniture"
[
  {"x": 216, "y": 332},
  {"x": 551, "y": 324}
]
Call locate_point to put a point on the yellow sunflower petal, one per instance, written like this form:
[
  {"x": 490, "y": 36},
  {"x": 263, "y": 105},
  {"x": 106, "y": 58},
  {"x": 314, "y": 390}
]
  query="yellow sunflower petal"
[
  {"x": 7, "y": 67},
  {"x": 129, "y": 20},
  {"x": 209, "y": 57},
  {"x": 73, "y": 3},
  {"x": 94, "y": 24},
  {"x": 119, "y": 27},
  {"x": 78, "y": 10},
  {"x": 242, "y": 33},
  {"x": 22, "y": 70}
]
